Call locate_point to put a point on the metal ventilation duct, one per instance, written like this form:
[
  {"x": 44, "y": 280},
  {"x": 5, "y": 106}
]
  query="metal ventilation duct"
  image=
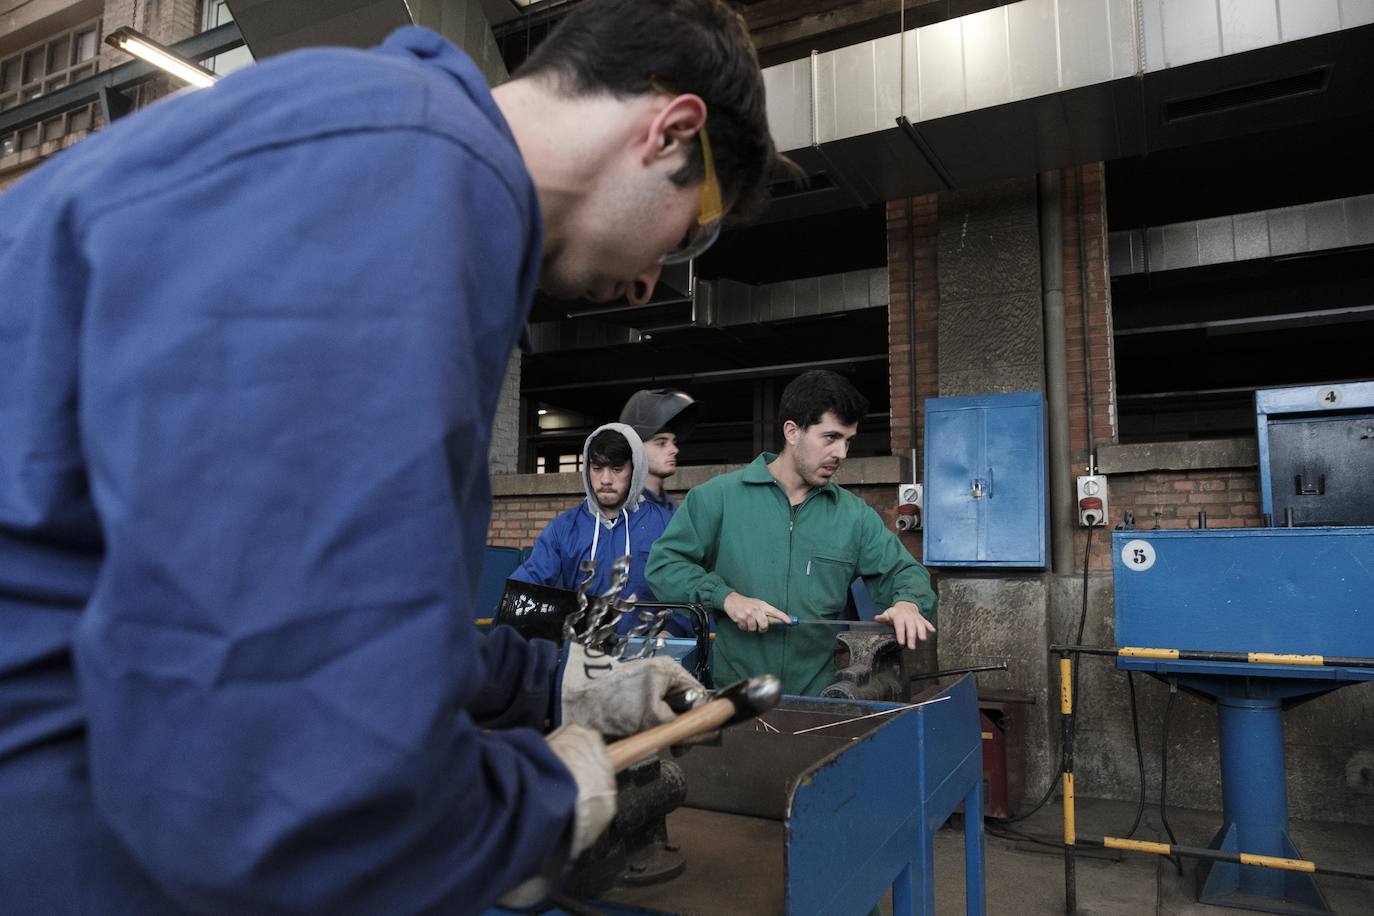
[
  {"x": 1043, "y": 84},
  {"x": 1323, "y": 226},
  {"x": 722, "y": 303},
  {"x": 741, "y": 303},
  {"x": 276, "y": 26}
]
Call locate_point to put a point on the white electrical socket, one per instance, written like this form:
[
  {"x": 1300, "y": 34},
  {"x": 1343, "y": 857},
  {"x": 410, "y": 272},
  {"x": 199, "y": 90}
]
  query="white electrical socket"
[
  {"x": 910, "y": 497},
  {"x": 1092, "y": 501}
]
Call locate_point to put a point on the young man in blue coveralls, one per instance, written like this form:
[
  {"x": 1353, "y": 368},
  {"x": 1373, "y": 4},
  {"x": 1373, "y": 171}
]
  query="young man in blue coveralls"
[
  {"x": 615, "y": 519},
  {"x": 252, "y": 340}
]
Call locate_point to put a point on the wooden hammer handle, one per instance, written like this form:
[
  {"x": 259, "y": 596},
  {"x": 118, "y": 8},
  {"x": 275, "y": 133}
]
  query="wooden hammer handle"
[{"x": 705, "y": 718}]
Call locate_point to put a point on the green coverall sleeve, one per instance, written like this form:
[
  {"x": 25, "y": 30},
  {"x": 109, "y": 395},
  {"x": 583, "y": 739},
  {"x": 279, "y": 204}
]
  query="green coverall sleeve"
[
  {"x": 681, "y": 563},
  {"x": 890, "y": 571}
]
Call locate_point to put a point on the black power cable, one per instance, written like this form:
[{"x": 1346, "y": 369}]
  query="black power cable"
[
  {"x": 1078, "y": 641},
  {"x": 1139, "y": 758},
  {"x": 1164, "y": 772},
  {"x": 1135, "y": 729}
]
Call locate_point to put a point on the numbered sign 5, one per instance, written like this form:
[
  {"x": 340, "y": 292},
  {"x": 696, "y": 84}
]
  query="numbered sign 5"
[{"x": 1138, "y": 555}]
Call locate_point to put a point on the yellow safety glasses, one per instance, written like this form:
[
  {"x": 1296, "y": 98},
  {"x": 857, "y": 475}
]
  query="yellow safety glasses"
[{"x": 710, "y": 209}]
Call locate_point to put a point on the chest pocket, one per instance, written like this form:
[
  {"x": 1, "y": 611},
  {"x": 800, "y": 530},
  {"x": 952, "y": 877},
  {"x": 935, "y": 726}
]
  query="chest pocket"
[{"x": 829, "y": 577}]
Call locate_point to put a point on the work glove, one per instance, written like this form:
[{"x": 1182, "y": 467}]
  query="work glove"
[
  {"x": 619, "y": 697},
  {"x": 584, "y": 754}
]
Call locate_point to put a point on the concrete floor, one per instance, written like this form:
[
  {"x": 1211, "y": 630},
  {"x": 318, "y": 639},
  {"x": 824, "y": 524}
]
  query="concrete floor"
[{"x": 1024, "y": 879}]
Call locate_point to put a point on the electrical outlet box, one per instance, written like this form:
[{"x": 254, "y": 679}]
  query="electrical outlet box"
[
  {"x": 910, "y": 502},
  {"x": 1092, "y": 500}
]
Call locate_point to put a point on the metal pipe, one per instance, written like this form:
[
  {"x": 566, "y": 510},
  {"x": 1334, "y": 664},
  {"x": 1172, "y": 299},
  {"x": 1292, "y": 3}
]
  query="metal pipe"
[
  {"x": 720, "y": 375},
  {"x": 1221, "y": 855},
  {"x": 1056, "y": 369},
  {"x": 911, "y": 332},
  {"x": 1083, "y": 297},
  {"x": 1204, "y": 655},
  {"x": 125, "y": 76}
]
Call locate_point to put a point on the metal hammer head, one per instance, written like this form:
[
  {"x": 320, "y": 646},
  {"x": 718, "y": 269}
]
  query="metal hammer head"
[{"x": 752, "y": 696}]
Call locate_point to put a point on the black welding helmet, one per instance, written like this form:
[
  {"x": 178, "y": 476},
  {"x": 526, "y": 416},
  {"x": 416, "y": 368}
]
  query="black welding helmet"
[{"x": 654, "y": 410}]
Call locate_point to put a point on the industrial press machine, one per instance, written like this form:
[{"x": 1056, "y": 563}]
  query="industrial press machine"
[{"x": 1259, "y": 620}]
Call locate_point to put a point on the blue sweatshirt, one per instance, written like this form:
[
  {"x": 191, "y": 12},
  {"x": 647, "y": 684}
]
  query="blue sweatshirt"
[
  {"x": 584, "y": 532},
  {"x": 253, "y": 339}
]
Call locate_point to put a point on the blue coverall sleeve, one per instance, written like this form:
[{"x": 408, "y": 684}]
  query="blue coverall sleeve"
[
  {"x": 523, "y": 695},
  {"x": 287, "y": 434},
  {"x": 544, "y": 565}
]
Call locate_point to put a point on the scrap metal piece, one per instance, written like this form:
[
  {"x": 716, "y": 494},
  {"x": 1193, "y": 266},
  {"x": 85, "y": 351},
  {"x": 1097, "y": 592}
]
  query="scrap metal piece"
[
  {"x": 575, "y": 620},
  {"x": 603, "y": 616}
]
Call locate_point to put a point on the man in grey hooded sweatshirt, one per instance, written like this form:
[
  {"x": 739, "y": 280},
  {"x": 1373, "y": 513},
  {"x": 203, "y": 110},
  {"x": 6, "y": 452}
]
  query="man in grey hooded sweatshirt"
[{"x": 612, "y": 521}]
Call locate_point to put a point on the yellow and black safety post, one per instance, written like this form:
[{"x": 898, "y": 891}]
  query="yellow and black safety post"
[
  {"x": 1071, "y": 839},
  {"x": 1066, "y": 738}
]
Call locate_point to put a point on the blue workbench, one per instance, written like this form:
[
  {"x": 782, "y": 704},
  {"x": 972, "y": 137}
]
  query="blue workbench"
[{"x": 835, "y": 817}]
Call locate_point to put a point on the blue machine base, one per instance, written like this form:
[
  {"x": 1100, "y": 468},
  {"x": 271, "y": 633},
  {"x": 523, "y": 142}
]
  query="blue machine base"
[
  {"x": 1250, "y": 699},
  {"x": 1219, "y": 883}
]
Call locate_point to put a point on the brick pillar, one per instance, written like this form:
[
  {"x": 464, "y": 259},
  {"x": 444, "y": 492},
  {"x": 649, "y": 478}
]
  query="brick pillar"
[
  {"x": 915, "y": 244},
  {"x": 505, "y": 432},
  {"x": 1084, "y": 210}
]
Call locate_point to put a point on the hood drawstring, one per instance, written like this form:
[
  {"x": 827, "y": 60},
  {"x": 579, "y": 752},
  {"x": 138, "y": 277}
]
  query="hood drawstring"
[{"x": 596, "y": 531}]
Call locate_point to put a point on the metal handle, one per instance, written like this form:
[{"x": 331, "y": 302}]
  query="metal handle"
[{"x": 989, "y": 483}]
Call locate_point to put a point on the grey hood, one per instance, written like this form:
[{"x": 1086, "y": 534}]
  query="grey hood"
[{"x": 637, "y": 475}]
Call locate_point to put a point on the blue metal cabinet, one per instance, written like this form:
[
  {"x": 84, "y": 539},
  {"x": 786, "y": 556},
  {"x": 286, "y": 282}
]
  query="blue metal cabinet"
[{"x": 985, "y": 481}]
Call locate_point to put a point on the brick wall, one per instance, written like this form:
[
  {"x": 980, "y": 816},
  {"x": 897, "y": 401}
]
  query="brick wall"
[
  {"x": 517, "y": 520},
  {"x": 1229, "y": 496}
]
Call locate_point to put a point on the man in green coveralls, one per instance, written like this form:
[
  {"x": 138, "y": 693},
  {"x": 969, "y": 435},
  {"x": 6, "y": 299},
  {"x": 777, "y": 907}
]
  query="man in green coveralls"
[{"x": 778, "y": 539}]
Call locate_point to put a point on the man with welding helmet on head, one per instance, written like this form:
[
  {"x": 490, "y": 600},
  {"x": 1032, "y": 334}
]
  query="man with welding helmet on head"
[
  {"x": 663, "y": 417},
  {"x": 253, "y": 339}
]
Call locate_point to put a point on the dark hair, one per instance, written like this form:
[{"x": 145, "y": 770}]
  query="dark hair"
[
  {"x": 699, "y": 46},
  {"x": 609, "y": 447},
  {"x": 807, "y": 398}
]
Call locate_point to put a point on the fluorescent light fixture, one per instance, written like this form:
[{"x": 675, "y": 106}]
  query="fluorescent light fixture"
[
  {"x": 543, "y": 412},
  {"x": 131, "y": 41}
]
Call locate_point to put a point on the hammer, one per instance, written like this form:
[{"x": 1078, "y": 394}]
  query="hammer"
[{"x": 737, "y": 703}]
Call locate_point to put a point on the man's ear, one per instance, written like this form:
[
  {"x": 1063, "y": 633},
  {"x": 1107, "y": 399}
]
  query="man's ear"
[
  {"x": 674, "y": 124},
  {"x": 791, "y": 432}
]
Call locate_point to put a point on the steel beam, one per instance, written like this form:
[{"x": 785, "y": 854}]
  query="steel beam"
[{"x": 92, "y": 89}]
